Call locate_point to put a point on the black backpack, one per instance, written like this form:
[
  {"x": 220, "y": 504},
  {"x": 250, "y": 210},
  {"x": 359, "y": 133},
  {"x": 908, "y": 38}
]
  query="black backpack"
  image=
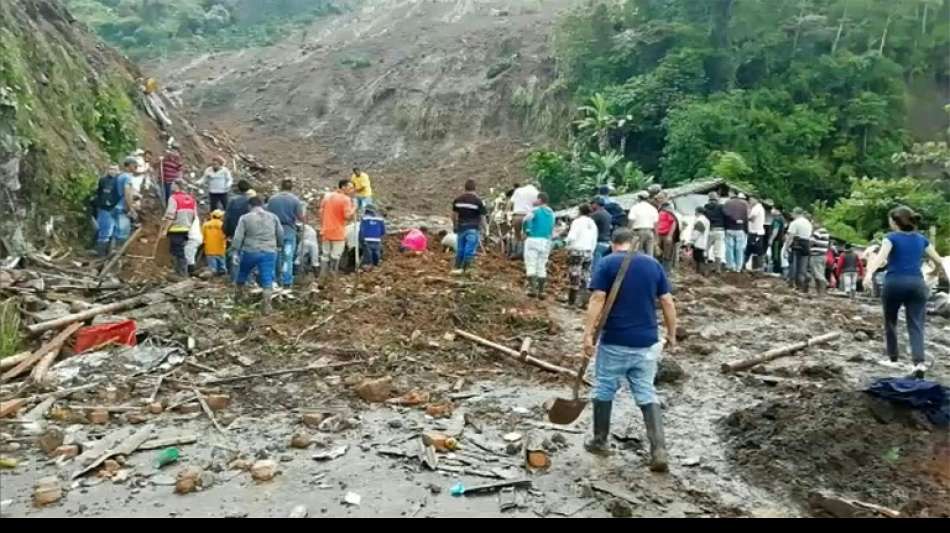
[
  {"x": 107, "y": 195},
  {"x": 618, "y": 218}
]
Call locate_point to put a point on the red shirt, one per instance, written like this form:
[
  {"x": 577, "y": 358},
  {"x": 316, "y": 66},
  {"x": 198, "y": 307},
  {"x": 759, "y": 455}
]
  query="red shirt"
[
  {"x": 666, "y": 224},
  {"x": 171, "y": 167}
]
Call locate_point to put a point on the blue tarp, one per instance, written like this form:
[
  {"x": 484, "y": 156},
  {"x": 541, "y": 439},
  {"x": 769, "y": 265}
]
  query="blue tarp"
[{"x": 930, "y": 397}]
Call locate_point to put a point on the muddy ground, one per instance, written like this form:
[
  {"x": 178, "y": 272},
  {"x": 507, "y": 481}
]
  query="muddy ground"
[{"x": 752, "y": 444}]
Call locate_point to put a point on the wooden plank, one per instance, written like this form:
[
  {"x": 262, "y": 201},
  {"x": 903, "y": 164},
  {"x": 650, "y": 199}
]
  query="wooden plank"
[{"x": 782, "y": 351}]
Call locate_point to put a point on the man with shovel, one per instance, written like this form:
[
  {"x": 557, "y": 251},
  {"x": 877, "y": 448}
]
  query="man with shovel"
[{"x": 629, "y": 346}]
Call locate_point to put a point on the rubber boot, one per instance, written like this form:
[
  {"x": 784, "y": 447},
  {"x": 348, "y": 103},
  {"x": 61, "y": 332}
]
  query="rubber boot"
[
  {"x": 571, "y": 296},
  {"x": 266, "y": 306},
  {"x": 324, "y": 269},
  {"x": 542, "y": 282},
  {"x": 239, "y": 294},
  {"x": 598, "y": 444},
  {"x": 583, "y": 299},
  {"x": 532, "y": 287},
  {"x": 653, "y": 420},
  {"x": 102, "y": 249},
  {"x": 183, "y": 269}
]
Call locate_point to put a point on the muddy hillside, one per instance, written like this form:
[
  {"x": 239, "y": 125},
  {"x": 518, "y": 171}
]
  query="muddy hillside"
[{"x": 421, "y": 93}]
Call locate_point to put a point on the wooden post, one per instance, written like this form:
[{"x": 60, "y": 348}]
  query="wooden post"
[{"x": 777, "y": 353}]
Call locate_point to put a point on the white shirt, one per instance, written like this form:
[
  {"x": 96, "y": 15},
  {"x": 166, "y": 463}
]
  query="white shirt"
[
  {"x": 522, "y": 200},
  {"x": 218, "y": 181},
  {"x": 643, "y": 216},
  {"x": 451, "y": 241},
  {"x": 801, "y": 228},
  {"x": 583, "y": 234},
  {"x": 700, "y": 239},
  {"x": 757, "y": 220}
]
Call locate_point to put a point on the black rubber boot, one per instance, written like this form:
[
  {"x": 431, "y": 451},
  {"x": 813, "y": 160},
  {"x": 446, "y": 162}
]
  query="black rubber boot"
[
  {"x": 532, "y": 287},
  {"x": 571, "y": 296},
  {"x": 653, "y": 420},
  {"x": 598, "y": 444},
  {"x": 102, "y": 249},
  {"x": 542, "y": 282}
]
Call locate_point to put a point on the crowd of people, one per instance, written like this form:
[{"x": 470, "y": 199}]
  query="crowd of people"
[{"x": 619, "y": 261}]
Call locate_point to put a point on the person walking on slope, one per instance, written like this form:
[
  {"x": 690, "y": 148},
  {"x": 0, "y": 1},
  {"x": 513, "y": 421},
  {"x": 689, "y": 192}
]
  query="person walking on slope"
[
  {"x": 736, "y": 211},
  {"x": 755, "y": 249},
  {"x": 289, "y": 210},
  {"x": 717, "y": 232},
  {"x": 217, "y": 178},
  {"x": 172, "y": 168},
  {"x": 904, "y": 250},
  {"x": 700, "y": 240},
  {"x": 180, "y": 215},
  {"x": 362, "y": 189},
  {"x": 798, "y": 244},
  {"x": 238, "y": 206},
  {"x": 643, "y": 219},
  {"x": 668, "y": 231},
  {"x": 372, "y": 231},
  {"x": 336, "y": 209},
  {"x": 522, "y": 203},
  {"x": 468, "y": 219},
  {"x": 215, "y": 243},
  {"x": 258, "y": 237},
  {"x": 629, "y": 346},
  {"x": 849, "y": 269},
  {"x": 113, "y": 201},
  {"x": 538, "y": 230},
  {"x": 581, "y": 242}
]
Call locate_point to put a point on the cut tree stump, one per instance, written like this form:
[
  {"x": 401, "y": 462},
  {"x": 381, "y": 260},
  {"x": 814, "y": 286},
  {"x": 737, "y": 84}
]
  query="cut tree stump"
[{"x": 778, "y": 353}]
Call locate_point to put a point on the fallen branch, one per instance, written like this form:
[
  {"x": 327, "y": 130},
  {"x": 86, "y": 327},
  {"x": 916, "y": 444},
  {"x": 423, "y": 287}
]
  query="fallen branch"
[
  {"x": 157, "y": 444},
  {"x": 515, "y": 354},
  {"x": 53, "y": 346},
  {"x": 118, "y": 255},
  {"x": 616, "y": 492},
  {"x": 61, "y": 393},
  {"x": 780, "y": 352},
  {"x": 220, "y": 347},
  {"x": 144, "y": 299},
  {"x": 208, "y": 412},
  {"x": 281, "y": 372},
  {"x": 847, "y": 508},
  {"x": 332, "y": 315},
  {"x": 42, "y": 367},
  {"x": 14, "y": 360}
]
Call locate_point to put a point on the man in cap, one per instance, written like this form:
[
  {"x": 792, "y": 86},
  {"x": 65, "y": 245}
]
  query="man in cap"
[{"x": 716, "y": 247}]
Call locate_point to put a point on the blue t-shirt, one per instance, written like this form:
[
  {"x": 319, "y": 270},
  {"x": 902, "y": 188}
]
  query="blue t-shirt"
[
  {"x": 632, "y": 321},
  {"x": 121, "y": 183},
  {"x": 907, "y": 253},
  {"x": 541, "y": 223},
  {"x": 287, "y": 207}
]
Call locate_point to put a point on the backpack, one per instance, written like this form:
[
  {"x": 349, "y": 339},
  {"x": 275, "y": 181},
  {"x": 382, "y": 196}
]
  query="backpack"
[{"x": 107, "y": 195}]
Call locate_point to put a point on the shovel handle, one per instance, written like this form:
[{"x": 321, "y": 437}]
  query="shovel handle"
[{"x": 604, "y": 313}]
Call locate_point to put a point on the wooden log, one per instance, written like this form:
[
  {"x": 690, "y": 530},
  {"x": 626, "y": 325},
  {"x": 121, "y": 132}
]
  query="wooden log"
[
  {"x": 156, "y": 444},
  {"x": 118, "y": 255},
  {"x": 208, "y": 412},
  {"x": 525, "y": 349},
  {"x": 10, "y": 407},
  {"x": 777, "y": 353},
  {"x": 848, "y": 508},
  {"x": 144, "y": 299},
  {"x": 310, "y": 368},
  {"x": 515, "y": 354},
  {"x": 14, "y": 360},
  {"x": 535, "y": 456},
  {"x": 53, "y": 346},
  {"x": 42, "y": 367}
]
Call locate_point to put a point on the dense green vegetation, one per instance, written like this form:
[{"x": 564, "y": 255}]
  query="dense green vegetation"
[
  {"x": 801, "y": 99},
  {"x": 150, "y": 28}
]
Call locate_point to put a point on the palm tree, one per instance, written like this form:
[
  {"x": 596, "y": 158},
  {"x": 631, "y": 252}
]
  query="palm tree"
[
  {"x": 602, "y": 168},
  {"x": 597, "y": 120}
]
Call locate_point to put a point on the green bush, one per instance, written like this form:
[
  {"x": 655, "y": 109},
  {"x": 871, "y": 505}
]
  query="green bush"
[
  {"x": 9, "y": 328},
  {"x": 115, "y": 121}
]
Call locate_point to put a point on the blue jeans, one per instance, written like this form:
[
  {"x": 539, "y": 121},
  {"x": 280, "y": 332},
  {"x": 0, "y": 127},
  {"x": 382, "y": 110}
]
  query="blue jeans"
[
  {"x": 167, "y": 189},
  {"x": 636, "y": 365},
  {"x": 264, "y": 262},
  {"x": 911, "y": 292},
  {"x": 217, "y": 264},
  {"x": 372, "y": 253},
  {"x": 735, "y": 249},
  {"x": 113, "y": 224},
  {"x": 466, "y": 248},
  {"x": 288, "y": 253},
  {"x": 602, "y": 249},
  {"x": 362, "y": 202}
]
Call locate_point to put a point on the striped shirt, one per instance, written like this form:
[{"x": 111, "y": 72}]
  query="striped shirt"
[
  {"x": 820, "y": 241},
  {"x": 171, "y": 167}
]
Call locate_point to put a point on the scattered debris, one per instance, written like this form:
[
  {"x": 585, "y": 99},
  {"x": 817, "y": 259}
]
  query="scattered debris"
[
  {"x": 847, "y": 508},
  {"x": 188, "y": 480},
  {"x": 353, "y": 499},
  {"x": 334, "y": 453},
  {"x": 47, "y": 490},
  {"x": 264, "y": 470},
  {"x": 375, "y": 390}
]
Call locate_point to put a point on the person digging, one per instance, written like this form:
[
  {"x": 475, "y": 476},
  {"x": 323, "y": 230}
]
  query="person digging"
[{"x": 629, "y": 346}]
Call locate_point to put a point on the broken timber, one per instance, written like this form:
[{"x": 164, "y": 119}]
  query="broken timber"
[
  {"x": 126, "y": 447},
  {"x": 777, "y": 353},
  {"x": 281, "y": 372},
  {"x": 515, "y": 354},
  {"x": 122, "y": 305},
  {"x": 118, "y": 255},
  {"x": 847, "y": 508},
  {"x": 44, "y": 354}
]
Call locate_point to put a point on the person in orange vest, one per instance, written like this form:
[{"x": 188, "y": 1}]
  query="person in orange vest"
[
  {"x": 180, "y": 214},
  {"x": 212, "y": 232}
]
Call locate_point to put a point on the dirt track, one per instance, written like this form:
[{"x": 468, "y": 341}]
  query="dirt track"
[{"x": 749, "y": 445}]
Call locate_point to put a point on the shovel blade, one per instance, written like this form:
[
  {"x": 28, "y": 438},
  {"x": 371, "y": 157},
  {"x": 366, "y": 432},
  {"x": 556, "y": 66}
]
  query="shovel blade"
[{"x": 564, "y": 412}]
